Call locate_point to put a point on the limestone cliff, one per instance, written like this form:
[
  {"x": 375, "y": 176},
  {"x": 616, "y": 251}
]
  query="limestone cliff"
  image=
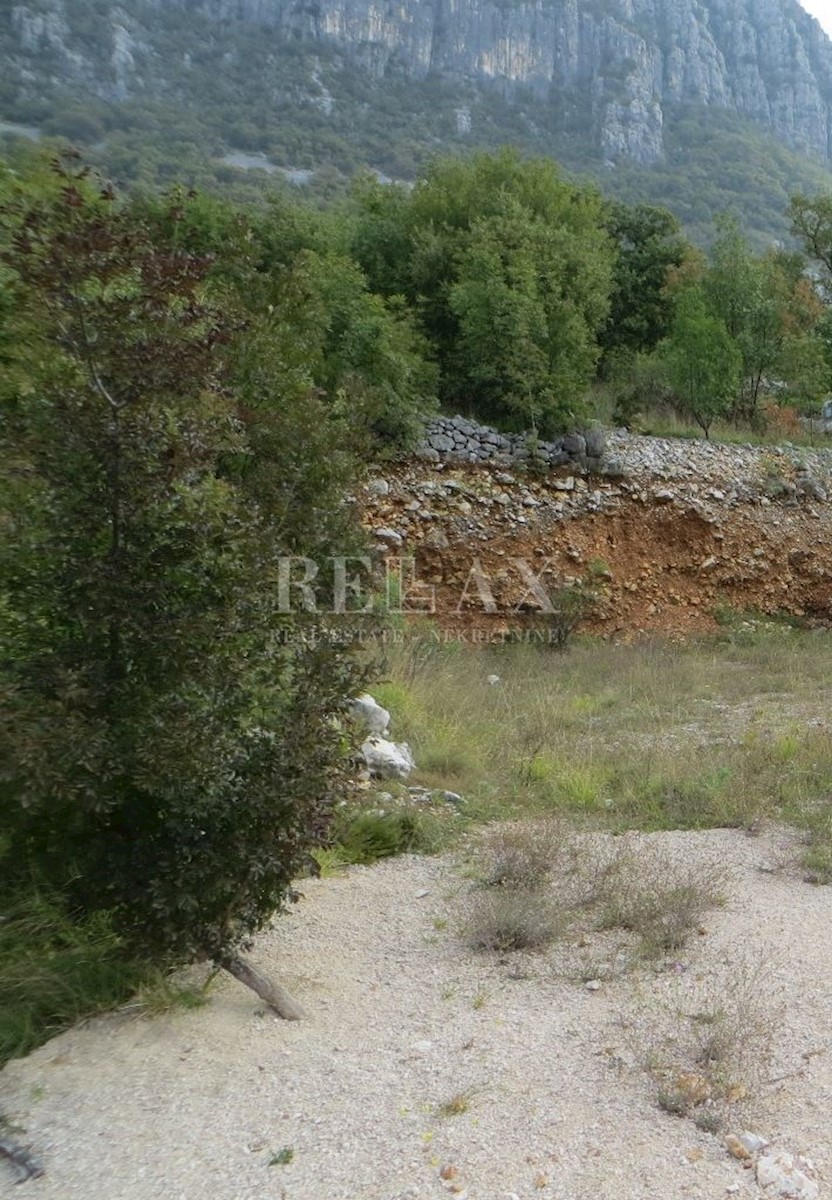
[{"x": 606, "y": 69}]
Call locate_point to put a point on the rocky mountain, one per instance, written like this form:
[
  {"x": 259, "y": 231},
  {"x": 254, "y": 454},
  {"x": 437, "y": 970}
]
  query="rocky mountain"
[{"x": 599, "y": 83}]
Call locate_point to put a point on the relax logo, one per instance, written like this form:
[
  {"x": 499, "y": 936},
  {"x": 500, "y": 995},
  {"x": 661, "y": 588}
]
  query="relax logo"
[{"x": 350, "y": 585}]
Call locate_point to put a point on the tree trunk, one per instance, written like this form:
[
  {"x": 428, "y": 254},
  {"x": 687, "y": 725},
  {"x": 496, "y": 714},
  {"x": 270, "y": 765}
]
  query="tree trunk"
[{"x": 272, "y": 993}]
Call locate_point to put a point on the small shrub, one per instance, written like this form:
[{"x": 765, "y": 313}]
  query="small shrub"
[
  {"x": 523, "y": 855},
  {"x": 711, "y": 1046},
  {"x": 571, "y": 604},
  {"x": 505, "y": 919},
  {"x": 660, "y": 901}
]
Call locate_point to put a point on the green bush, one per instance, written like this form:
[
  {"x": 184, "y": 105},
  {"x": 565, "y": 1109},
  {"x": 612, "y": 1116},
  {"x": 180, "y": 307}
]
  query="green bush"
[{"x": 168, "y": 735}]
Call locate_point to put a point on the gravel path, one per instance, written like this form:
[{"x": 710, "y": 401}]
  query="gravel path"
[{"x": 193, "y": 1105}]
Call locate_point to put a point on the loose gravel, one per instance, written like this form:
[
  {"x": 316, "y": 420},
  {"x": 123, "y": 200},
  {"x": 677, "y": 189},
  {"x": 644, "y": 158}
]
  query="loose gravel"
[{"x": 403, "y": 1018}]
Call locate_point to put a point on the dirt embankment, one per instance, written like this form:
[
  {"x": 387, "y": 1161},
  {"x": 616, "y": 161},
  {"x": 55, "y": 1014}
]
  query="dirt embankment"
[{"x": 680, "y": 530}]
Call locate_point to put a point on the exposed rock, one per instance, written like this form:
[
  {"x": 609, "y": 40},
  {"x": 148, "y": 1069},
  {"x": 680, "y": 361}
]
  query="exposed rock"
[
  {"x": 752, "y": 1142},
  {"x": 596, "y": 442},
  {"x": 736, "y": 1148},
  {"x": 574, "y": 445},
  {"x": 365, "y": 709},
  {"x": 619, "y": 66},
  {"x": 388, "y": 535},
  {"x": 786, "y": 1175},
  {"x": 387, "y": 760}
]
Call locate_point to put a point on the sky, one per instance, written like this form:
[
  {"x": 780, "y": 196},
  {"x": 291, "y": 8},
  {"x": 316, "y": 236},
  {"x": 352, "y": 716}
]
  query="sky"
[{"x": 822, "y": 9}]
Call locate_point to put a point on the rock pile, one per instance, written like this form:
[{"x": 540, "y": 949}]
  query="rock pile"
[
  {"x": 459, "y": 440},
  {"x": 384, "y": 758},
  {"x": 743, "y": 470}
]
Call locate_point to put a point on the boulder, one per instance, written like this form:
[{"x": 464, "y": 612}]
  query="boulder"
[
  {"x": 441, "y": 442},
  {"x": 786, "y": 1175},
  {"x": 387, "y": 760},
  {"x": 596, "y": 442},
  {"x": 365, "y": 709},
  {"x": 575, "y": 445}
]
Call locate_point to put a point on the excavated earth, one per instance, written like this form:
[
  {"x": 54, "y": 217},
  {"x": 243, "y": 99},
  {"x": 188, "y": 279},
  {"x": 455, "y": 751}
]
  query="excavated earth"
[{"x": 680, "y": 530}]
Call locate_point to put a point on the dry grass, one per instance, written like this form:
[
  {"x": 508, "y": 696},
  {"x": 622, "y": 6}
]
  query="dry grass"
[
  {"x": 506, "y": 919},
  {"x": 537, "y": 882},
  {"x": 456, "y": 1105},
  {"x": 524, "y": 855},
  {"x": 728, "y": 731},
  {"x": 709, "y": 1045},
  {"x": 661, "y": 901}
]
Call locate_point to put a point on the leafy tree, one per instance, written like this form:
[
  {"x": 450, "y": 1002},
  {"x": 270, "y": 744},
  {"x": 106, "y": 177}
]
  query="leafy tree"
[
  {"x": 650, "y": 245},
  {"x": 361, "y": 352},
  {"x": 811, "y": 221},
  {"x": 768, "y": 308},
  {"x": 365, "y": 352},
  {"x": 508, "y": 269},
  {"x": 166, "y": 728},
  {"x": 701, "y": 360}
]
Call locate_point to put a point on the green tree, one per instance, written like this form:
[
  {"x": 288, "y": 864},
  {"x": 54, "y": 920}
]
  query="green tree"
[
  {"x": 527, "y": 350},
  {"x": 701, "y": 360},
  {"x": 768, "y": 308},
  {"x": 166, "y": 727},
  {"x": 811, "y": 222},
  {"x": 650, "y": 246}
]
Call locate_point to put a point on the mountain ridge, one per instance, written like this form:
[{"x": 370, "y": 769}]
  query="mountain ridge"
[{"x": 599, "y": 84}]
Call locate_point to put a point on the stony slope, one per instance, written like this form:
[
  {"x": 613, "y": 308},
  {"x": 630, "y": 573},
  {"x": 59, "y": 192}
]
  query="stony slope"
[{"x": 680, "y": 530}]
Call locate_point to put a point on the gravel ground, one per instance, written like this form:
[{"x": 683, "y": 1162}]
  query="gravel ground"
[
  {"x": 192, "y": 1106},
  {"x": 723, "y": 463}
]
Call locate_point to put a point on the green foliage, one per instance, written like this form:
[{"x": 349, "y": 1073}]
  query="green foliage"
[
  {"x": 811, "y": 222},
  {"x": 770, "y": 311},
  {"x": 508, "y": 270},
  {"x": 701, "y": 360},
  {"x": 56, "y": 967},
  {"x": 650, "y": 246},
  {"x": 170, "y": 752},
  {"x": 367, "y": 836},
  {"x": 368, "y": 356}
]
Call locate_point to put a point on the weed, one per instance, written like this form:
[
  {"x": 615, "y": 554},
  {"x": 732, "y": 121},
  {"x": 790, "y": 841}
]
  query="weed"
[
  {"x": 456, "y": 1105},
  {"x": 283, "y": 1157},
  {"x": 163, "y": 993},
  {"x": 331, "y": 861},
  {"x": 661, "y": 901},
  {"x": 364, "y": 836},
  {"x": 504, "y": 919},
  {"x": 56, "y": 969},
  {"x": 711, "y": 1046},
  {"x": 709, "y": 1120},
  {"x": 522, "y": 855}
]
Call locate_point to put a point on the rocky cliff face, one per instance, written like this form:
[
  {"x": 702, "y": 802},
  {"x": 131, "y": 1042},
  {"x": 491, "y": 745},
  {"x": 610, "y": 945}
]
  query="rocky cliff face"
[{"x": 608, "y": 67}]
